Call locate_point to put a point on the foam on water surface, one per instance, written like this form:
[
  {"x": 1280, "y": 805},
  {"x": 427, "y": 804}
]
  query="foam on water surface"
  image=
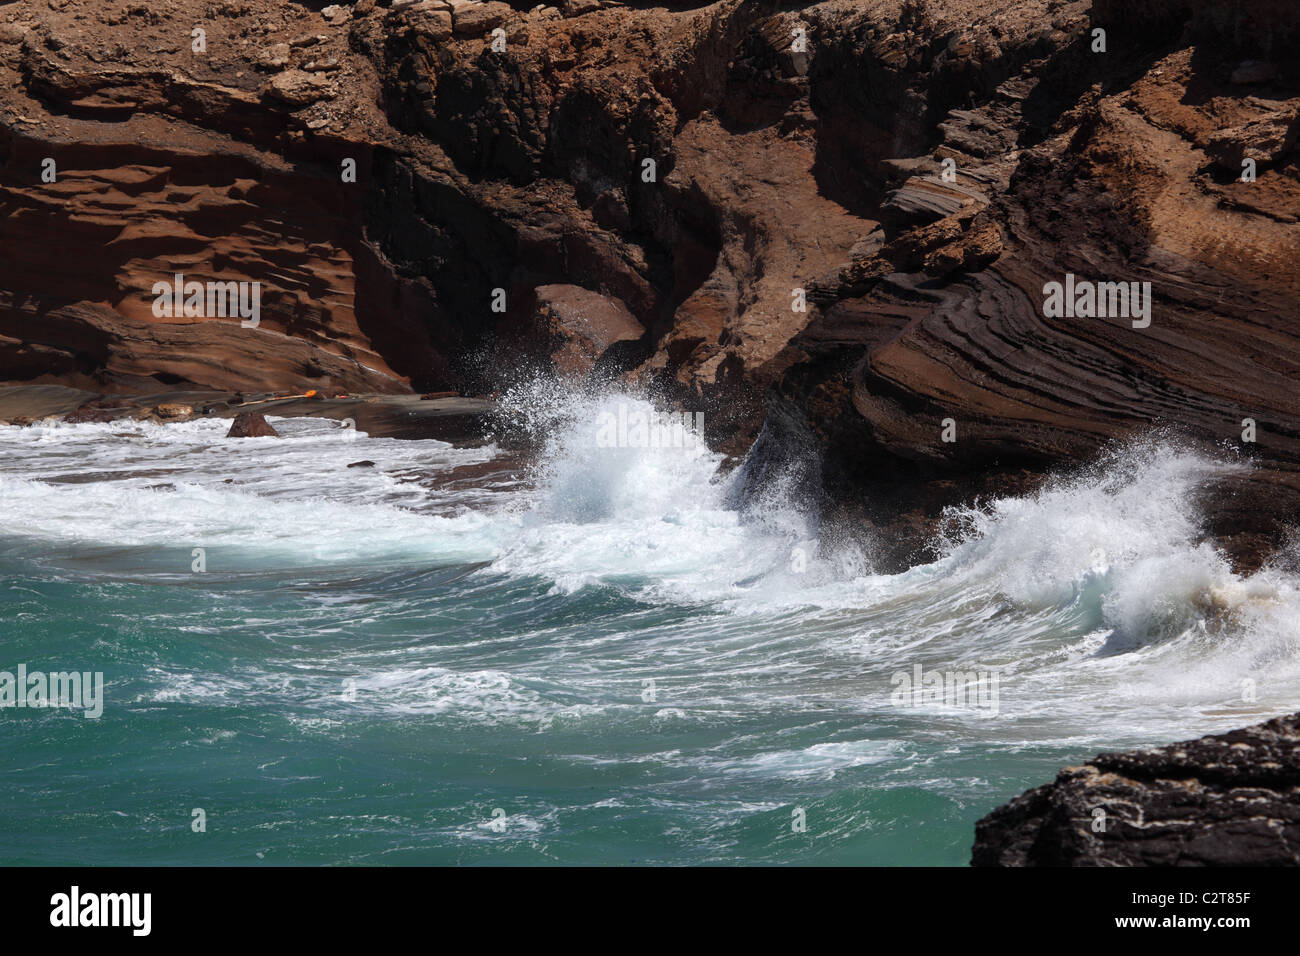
[{"x": 627, "y": 618}]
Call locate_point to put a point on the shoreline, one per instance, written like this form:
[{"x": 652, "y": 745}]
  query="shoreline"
[{"x": 457, "y": 420}]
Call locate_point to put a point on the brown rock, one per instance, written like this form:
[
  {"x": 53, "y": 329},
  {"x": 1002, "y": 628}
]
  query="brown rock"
[
  {"x": 476, "y": 19},
  {"x": 173, "y": 411},
  {"x": 429, "y": 20},
  {"x": 84, "y": 414},
  {"x": 576, "y": 8},
  {"x": 275, "y": 56},
  {"x": 299, "y": 88},
  {"x": 100, "y": 410},
  {"x": 1265, "y": 140},
  {"x": 582, "y": 325},
  {"x": 251, "y": 425}
]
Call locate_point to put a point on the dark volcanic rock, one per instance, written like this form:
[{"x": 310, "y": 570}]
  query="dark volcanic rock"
[
  {"x": 251, "y": 425},
  {"x": 1227, "y": 800}
]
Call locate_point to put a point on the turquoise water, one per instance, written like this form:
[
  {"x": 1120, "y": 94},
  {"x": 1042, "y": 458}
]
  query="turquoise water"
[{"x": 618, "y": 660}]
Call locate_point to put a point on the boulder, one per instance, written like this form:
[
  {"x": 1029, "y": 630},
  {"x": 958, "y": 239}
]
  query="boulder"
[
  {"x": 100, "y": 410},
  {"x": 299, "y": 88},
  {"x": 251, "y": 425},
  {"x": 476, "y": 19}
]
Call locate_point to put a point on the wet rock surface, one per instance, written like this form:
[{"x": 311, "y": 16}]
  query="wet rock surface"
[
  {"x": 251, "y": 425},
  {"x": 1227, "y": 800}
]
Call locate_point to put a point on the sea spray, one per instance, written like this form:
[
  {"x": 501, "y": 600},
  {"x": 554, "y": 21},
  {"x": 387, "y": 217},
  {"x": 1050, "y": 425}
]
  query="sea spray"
[
  {"x": 669, "y": 518},
  {"x": 394, "y": 652}
]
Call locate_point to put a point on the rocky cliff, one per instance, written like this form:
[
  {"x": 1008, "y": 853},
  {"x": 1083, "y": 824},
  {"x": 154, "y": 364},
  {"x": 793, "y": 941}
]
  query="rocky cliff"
[{"x": 830, "y": 224}]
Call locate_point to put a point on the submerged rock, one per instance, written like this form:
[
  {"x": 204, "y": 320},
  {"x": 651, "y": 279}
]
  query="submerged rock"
[
  {"x": 100, "y": 410},
  {"x": 88, "y": 413},
  {"x": 84, "y": 415},
  {"x": 1226, "y": 800},
  {"x": 251, "y": 425}
]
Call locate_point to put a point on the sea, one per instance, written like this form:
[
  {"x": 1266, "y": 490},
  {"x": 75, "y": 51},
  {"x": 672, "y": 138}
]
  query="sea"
[{"x": 597, "y": 652}]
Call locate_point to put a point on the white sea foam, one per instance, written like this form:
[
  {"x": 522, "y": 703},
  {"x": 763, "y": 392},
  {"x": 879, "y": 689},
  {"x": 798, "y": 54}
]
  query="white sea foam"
[{"x": 1096, "y": 597}]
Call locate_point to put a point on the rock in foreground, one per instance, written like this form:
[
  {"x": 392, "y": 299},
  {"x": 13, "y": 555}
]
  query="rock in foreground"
[
  {"x": 1228, "y": 800},
  {"x": 251, "y": 425}
]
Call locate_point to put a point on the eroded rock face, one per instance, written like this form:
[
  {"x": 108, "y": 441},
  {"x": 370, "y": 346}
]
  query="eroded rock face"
[
  {"x": 165, "y": 162},
  {"x": 1231, "y": 799},
  {"x": 836, "y": 218}
]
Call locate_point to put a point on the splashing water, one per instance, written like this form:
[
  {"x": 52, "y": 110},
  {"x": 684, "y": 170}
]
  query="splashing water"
[{"x": 633, "y": 653}]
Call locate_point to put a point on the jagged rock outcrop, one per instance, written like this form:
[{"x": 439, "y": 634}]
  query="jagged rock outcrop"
[
  {"x": 1226, "y": 800},
  {"x": 836, "y": 218}
]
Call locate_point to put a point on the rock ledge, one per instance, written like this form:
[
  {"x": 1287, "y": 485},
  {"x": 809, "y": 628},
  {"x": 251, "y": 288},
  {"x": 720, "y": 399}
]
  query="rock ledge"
[{"x": 1226, "y": 800}]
